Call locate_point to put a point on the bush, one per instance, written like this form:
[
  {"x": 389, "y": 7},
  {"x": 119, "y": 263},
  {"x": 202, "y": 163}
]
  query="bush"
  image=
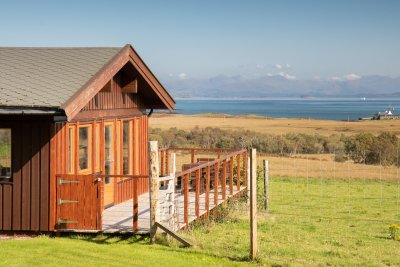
[
  {"x": 394, "y": 232},
  {"x": 340, "y": 156},
  {"x": 361, "y": 148}
]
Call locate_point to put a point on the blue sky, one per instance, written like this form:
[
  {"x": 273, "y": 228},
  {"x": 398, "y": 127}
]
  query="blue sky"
[{"x": 203, "y": 39}]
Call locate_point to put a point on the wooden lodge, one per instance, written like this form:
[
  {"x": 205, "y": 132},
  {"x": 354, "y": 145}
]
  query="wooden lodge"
[{"x": 74, "y": 145}]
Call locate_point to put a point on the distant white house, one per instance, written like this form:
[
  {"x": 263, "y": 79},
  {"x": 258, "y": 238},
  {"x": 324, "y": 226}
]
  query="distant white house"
[{"x": 386, "y": 115}]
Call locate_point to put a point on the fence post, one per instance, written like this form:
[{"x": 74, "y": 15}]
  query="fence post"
[
  {"x": 153, "y": 177},
  {"x": 161, "y": 173},
  {"x": 266, "y": 183},
  {"x": 248, "y": 181},
  {"x": 192, "y": 156},
  {"x": 166, "y": 162},
  {"x": 253, "y": 204}
]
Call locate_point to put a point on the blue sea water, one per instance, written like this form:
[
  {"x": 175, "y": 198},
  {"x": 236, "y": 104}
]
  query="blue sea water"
[{"x": 327, "y": 109}]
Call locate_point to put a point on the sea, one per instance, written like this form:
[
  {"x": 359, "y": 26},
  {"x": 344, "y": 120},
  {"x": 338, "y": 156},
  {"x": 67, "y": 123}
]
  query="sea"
[{"x": 340, "y": 109}]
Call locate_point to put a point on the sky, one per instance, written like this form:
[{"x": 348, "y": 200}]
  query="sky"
[{"x": 179, "y": 40}]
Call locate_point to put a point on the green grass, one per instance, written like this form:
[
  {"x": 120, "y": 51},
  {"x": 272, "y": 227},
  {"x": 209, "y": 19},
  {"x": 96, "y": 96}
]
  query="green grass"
[
  {"x": 312, "y": 222},
  {"x": 101, "y": 251}
]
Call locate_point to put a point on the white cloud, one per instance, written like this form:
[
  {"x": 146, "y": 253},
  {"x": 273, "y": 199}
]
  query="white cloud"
[
  {"x": 348, "y": 77},
  {"x": 287, "y": 76},
  {"x": 288, "y": 65},
  {"x": 269, "y": 74},
  {"x": 260, "y": 66},
  {"x": 278, "y": 66},
  {"x": 352, "y": 77},
  {"x": 182, "y": 76}
]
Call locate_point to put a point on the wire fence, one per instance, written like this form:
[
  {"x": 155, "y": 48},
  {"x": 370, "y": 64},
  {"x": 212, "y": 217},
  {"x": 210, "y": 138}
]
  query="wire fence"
[{"x": 313, "y": 196}]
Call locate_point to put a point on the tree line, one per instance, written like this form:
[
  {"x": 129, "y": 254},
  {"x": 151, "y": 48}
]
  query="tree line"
[{"x": 360, "y": 148}]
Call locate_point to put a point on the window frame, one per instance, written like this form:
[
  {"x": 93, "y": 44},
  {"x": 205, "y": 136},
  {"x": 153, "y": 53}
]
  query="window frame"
[
  {"x": 129, "y": 155},
  {"x": 89, "y": 146},
  {"x": 9, "y": 179},
  {"x": 71, "y": 149},
  {"x": 113, "y": 159}
]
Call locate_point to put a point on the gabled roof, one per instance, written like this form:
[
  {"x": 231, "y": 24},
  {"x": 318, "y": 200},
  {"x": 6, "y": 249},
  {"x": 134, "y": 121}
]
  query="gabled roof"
[{"x": 67, "y": 78}]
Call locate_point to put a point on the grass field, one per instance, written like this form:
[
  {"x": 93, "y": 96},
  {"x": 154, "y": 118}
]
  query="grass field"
[
  {"x": 268, "y": 125},
  {"x": 314, "y": 222},
  {"x": 311, "y": 222},
  {"x": 313, "y": 165}
]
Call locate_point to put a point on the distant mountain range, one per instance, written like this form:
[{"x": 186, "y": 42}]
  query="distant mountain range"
[{"x": 222, "y": 86}]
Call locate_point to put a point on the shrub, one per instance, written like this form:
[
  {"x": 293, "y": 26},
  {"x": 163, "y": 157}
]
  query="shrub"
[{"x": 394, "y": 232}]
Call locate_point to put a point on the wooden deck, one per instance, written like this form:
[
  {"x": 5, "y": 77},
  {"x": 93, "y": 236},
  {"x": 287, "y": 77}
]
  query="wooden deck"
[{"x": 119, "y": 218}]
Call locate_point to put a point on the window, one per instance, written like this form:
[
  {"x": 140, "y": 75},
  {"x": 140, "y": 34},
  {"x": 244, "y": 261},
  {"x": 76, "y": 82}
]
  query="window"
[
  {"x": 84, "y": 149},
  {"x": 108, "y": 151},
  {"x": 97, "y": 145},
  {"x": 125, "y": 147},
  {"x": 71, "y": 150},
  {"x": 5, "y": 154}
]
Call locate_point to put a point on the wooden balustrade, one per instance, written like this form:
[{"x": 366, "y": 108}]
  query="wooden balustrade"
[
  {"x": 164, "y": 155},
  {"x": 211, "y": 179}
]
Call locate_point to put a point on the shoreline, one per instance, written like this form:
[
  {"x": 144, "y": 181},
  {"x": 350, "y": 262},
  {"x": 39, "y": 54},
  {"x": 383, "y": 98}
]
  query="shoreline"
[
  {"x": 250, "y": 116},
  {"x": 269, "y": 125}
]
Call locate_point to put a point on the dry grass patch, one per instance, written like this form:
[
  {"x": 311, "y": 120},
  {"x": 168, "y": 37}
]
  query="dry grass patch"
[{"x": 268, "y": 125}]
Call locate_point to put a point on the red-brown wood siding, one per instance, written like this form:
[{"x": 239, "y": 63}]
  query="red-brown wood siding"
[
  {"x": 24, "y": 201},
  {"x": 138, "y": 161},
  {"x": 114, "y": 98}
]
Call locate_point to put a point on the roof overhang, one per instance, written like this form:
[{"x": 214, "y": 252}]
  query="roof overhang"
[{"x": 126, "y": 55}]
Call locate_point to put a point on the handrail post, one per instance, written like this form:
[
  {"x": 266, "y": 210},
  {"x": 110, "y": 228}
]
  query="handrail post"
[
  {"x": 197, "y": 199},
  {"x": 192, "y": 156},
  {"x": 216, "y": 177},
  {"x": 154, "y": 186},
  {"x": 135, "y": 205},
  {"x": 166, "y": 162},
  {"x": 231, "y": 176},
  {"x": 224, "y": 180},
  {"x": 186, "y": 201},
  {"x": 238, "y": 172},
  {"x": 245, "y": 156},
  {"x": 162, "y": 163},
  {"x": 207, "y": 204},
  {"x": 100, "y": 203}
]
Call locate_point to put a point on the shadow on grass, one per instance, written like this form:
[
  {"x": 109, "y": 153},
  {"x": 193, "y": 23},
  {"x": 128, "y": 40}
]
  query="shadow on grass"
[{"x": 109, "y": 239}]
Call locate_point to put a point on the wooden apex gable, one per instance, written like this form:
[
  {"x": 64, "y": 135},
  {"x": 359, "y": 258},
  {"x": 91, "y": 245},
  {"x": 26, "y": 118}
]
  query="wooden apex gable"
[{"x": 138, "y": 76}]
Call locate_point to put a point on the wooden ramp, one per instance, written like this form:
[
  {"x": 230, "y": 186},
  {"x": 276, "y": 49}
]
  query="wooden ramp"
[{"x": 119, "y": 218}]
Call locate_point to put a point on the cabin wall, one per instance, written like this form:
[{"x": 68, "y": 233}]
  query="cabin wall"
[{"x": 24, "y": 200}]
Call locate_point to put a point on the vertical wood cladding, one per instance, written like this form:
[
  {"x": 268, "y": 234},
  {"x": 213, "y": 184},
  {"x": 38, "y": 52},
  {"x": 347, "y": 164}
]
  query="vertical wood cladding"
[
  {"x": 138, "y": 150},
  {"x": 112, "y": 97},
  {"x": 24, "y": 201}
]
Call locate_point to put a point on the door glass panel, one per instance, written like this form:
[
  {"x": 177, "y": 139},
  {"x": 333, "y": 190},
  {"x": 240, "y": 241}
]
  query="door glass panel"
[
  {"x": 125, "y": 146},
  {"x": 83, "y": 148},
  {"x": 108, "y": 153}
]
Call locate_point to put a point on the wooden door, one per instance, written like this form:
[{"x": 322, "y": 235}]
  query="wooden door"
[
  {"x": 109, "y": 162},
  {"x": 78, "y": 202}
]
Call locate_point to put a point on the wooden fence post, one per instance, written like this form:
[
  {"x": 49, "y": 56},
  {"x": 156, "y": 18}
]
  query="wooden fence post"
[
  {"x": 166, "y": 163},
  {"x": 253, "y": 204},
  {"x": 154, "y": 187},
  {"x": 248, "y": 181},
  {"x": 266, "y": 183}
]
